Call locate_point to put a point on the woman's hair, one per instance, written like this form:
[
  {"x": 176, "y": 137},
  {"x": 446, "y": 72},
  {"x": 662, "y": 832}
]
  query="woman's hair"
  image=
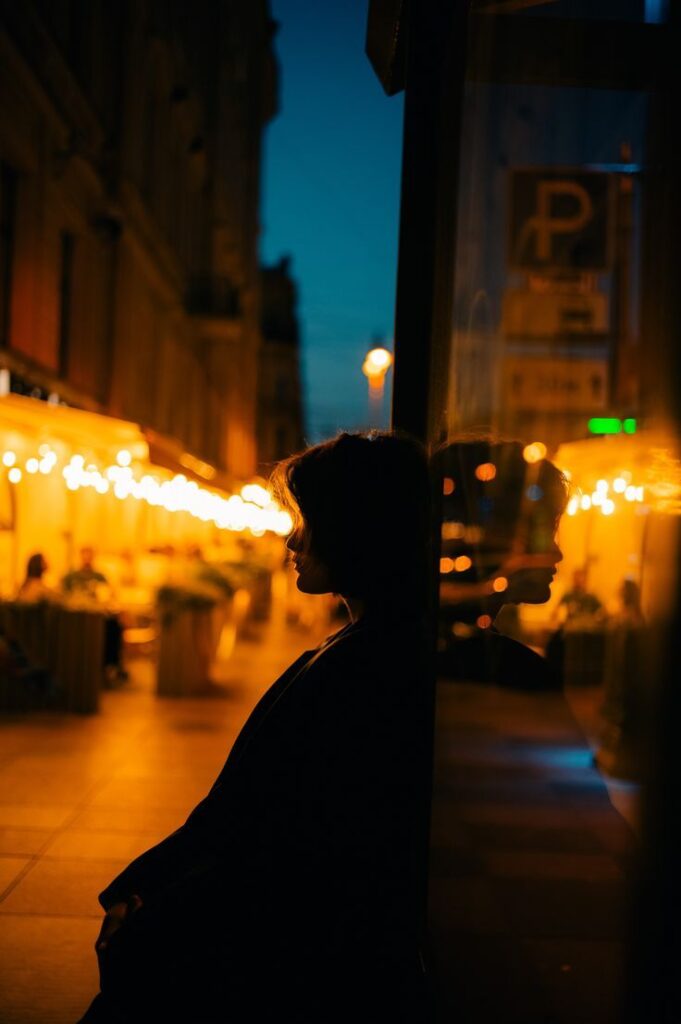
[
  {"x": 35, "y": 567},
  {"x": 365, "y": 501},
  {"x": 496, "y": 503}
]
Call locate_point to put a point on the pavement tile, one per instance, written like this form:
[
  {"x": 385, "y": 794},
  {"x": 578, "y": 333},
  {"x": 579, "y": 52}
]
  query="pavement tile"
[
  {"x": 23, "y": 842},
  {"x": 466, "y": 904},
  {"x": 586, "y": 975},
  {"x": 558, "y": 838},
  {"x": 62, "y": 887},
  {"x": 48, "y": 969},
  {"x": 10, "y": 867},
  {"x": 80, "y": 845},
  {"x": 163, "y": 794},
  {"x": 488, "y": 979},
  {"x": 588, "y": 867},
  {"x": 153, "y": 821},
  {"x": 542, "y": 907},
  {"x": 34, "y": 815}
]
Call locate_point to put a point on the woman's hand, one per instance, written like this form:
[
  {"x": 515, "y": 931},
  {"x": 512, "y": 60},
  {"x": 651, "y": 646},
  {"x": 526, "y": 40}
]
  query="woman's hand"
[{"x": 116, "y": 916}]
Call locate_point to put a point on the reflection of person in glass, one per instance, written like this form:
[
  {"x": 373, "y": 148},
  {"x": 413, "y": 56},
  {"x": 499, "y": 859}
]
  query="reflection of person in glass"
[
  {"x": 500, "y": 517},
  {"x": 292, "y": 892}
]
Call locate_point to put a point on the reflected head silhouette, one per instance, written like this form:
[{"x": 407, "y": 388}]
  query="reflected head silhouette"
[{"x": 500, "y": 516}]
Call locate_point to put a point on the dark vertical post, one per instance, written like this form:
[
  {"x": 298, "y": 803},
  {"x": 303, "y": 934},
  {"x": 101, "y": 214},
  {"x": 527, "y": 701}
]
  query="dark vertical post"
[
  {"x": 436, "y": 43},
  {"x": 653, "y": 991},
  {"x": 436, "y": 36}
]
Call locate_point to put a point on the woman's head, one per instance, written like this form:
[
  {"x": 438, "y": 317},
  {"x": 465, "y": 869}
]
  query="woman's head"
[
  {"x": 361, "y": 519},
  {"x": 501, "y": 514},
  {"x": 36, "y": 566}
]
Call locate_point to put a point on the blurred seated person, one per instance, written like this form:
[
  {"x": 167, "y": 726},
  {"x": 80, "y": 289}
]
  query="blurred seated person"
[
  {"x": 34, "y": 588},
  {"x": 88, "y": 583},
  {"x": 578, "y": 606},
  {"x": 500, "y": 517}
]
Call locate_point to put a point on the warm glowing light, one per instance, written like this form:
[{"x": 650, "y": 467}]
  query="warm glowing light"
[
  {"x": 9, "y": 458},
  {"x": 500, "y": 584},
  {"x": 483, "y": 621},
  {"x": 452, "y": 531},
  {"x": 619, "y": 485},
  {"x": 32, "y": 465},
  {"x": 446, "y": 565},
  {"x": 44, "y": 449},
  {"x": 534, "y": 452},
  {"x": 602, "y": 486},
  {"x": 14, "y": 475},
  {"x": 630, "y": 493},
  {"x": 572, "y": 506},
  {"x": 608, "y": 507},
  {"x": 448, "y": 486},
  {"x": 462, "y": 563},
  {"x": 256, "y": 494},
  {"x": 124, "y": 458},
  {"x": 46, "y": 465},
  {"x": 486, "y": 471},
  {"x": 377, "y": 361},
  {"x": 585, "y": 502}
]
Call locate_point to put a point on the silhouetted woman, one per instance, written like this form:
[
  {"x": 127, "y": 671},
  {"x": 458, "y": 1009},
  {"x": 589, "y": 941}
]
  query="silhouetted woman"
[{"x": 293, "y": 887}]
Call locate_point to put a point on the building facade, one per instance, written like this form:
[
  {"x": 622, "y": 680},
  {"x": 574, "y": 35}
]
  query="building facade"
[
  {"x": 130, "y": 150},
  {"x": 280, "y": 422}
]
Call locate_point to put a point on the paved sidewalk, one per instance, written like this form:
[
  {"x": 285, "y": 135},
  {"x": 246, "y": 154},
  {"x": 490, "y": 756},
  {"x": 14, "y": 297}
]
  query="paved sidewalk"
[
  {"x": 529, "y": 861},
  {"x": 81, "y": 796},
  {"x": 528, "y": 854}
]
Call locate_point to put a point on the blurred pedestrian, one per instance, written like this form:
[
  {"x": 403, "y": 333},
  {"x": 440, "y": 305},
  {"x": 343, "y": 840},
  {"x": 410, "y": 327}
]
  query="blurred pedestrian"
[{"x": 293, "y": 889}]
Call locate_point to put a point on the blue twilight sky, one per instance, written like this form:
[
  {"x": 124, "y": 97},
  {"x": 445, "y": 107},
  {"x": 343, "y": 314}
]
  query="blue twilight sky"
[{"x": 331, "y": 199}]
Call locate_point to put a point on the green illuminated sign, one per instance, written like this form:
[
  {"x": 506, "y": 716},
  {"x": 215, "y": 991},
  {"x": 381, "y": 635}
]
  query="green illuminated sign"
[{"x": 611, "y": 425}]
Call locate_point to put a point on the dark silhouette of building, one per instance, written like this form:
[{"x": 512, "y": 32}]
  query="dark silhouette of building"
[
  {"x": 280, "y": 423},
  {"x": 130, "y": 142}
]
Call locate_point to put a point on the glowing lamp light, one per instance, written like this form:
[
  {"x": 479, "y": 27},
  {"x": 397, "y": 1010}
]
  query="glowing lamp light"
[
  {"x": 585, "y": 502},
  {"x": 572, "y": 506},
  {"x": 377, "y": 362},
  {"x": 486, "y": 471},
  {"x": 534, "y": 452},
  {"x": 608, "y": 507},
  {"x": 448, "y": 486},
  {"x": 14, "y": 475},
  {"x": 500, "y": 584},
  {"x": 619, "y": 485},
  {"x": 446, "y": 565},
  {"x": 32, "y": 465},
  {"x": 9, "y": 458},
  {"x": 483, "y": 621},
  {"x": 462, "y": 563},
  {"x": 630, "y": 493},
  {"x": 124, "y": 458},
  {"x": 602, "y": 486}
]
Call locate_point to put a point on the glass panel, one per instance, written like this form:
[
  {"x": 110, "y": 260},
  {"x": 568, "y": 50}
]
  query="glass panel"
[{"x": 561, "y": 492}]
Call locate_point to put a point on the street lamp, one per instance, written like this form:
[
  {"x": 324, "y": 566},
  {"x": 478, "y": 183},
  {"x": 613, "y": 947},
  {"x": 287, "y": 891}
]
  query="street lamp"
[{"x": 376, "y": 364}]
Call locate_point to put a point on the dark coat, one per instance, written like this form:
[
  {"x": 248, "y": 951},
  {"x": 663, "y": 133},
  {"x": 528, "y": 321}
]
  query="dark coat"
[{"x": 293, "y": 887}]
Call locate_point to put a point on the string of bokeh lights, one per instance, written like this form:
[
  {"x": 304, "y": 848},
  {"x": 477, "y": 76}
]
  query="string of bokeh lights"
[{"x": 253, "y": 509}]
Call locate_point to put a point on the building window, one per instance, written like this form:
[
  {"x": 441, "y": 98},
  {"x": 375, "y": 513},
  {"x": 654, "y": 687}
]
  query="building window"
[
  {"x": 8, "y": 194},
  {"x": 65, "y": 298}
]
